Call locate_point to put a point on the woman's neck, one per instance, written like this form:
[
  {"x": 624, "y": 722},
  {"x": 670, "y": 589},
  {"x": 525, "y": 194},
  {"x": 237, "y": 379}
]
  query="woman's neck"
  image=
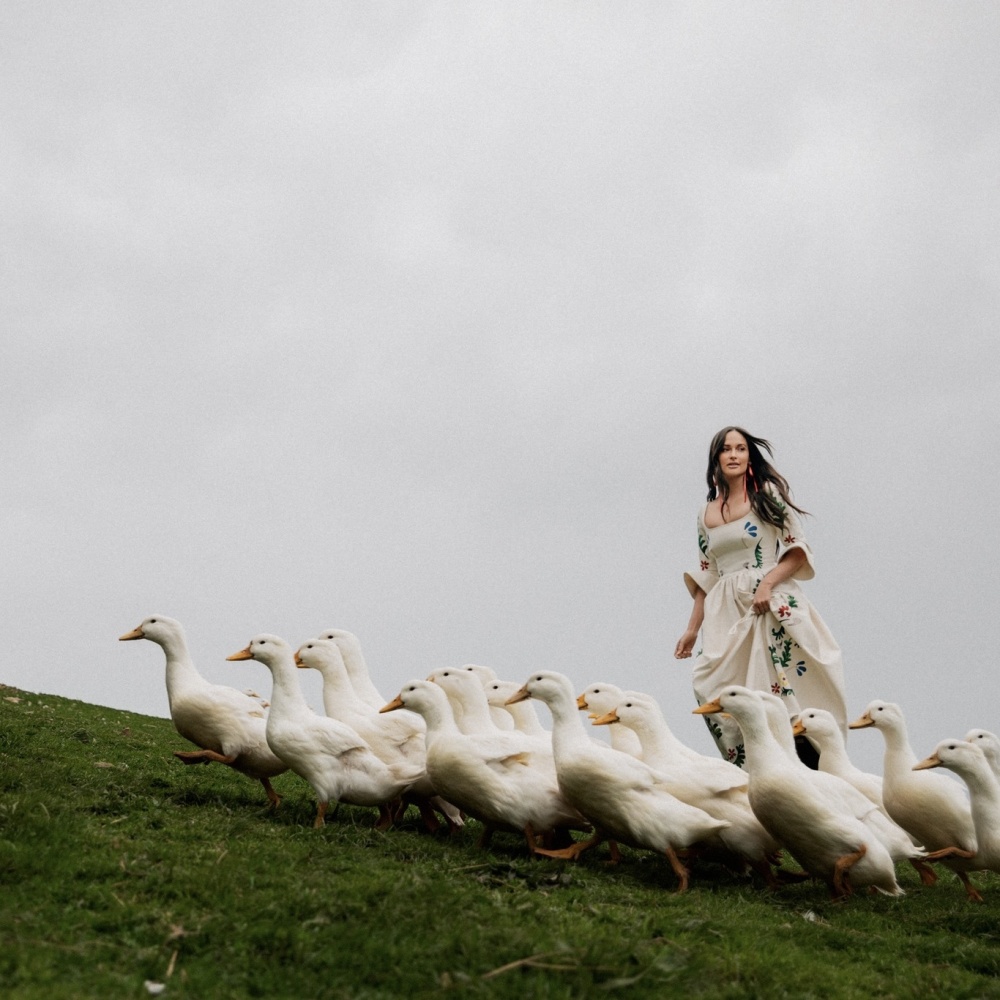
[{"x": 737, "y": 503}]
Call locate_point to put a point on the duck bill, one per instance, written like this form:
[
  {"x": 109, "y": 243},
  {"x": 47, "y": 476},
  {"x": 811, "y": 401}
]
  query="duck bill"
[
  {"x": 605, "y": 720},
  {"x": 298, "y": 662},
  {"x": 933, "y": 761},
  {"x": 522, "y": 695},
  {"x": 798, "y": 729},
  {"x": 396, "y": 702},
  {"x": 709, "y": 708},
  {"x": 136, "y": 633},
  {"x": 863, "y": 723},
  {"x": 581, "y": 702},
  {"x": 243, "y": 654}
]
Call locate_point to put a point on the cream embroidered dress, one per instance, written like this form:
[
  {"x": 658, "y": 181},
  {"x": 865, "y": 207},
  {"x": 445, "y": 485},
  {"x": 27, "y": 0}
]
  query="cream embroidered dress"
[{"x": 788, "y": 651}]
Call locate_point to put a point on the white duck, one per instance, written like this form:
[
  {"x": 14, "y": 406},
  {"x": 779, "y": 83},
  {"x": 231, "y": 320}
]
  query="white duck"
[
  {"x": 357, "y": 667},
  {"x": 970, "y": 763},
  {"x": 698, "y": 784},
  {"x": 399, "y": 736},
  {"x": 989, "y": 743},
  {"x": 662, "y": 750},
  {"x": 395, "y": 739},
  {"x": 827, "y": 841},
  {"x": 930, "y": 807},
  {"x": 332, "y": 757},
  {"x": 599, "y": 699},
  {"x": 823, "y": 731},
  {"x": 623, "y": 797},
  {"x": 227, "y": 724},
  {"x": 484, "y": 775},
  {"x": 896, "y": 839}
]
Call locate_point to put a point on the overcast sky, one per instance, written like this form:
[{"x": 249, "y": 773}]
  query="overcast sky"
[{"x": 416, "y": 319}]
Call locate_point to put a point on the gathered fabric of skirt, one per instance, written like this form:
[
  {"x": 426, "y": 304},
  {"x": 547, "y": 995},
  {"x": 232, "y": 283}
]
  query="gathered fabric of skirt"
[{"x": 788, "y": 650}]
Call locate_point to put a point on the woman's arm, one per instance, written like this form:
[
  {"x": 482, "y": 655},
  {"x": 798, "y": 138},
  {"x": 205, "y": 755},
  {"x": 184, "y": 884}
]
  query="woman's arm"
[
  {"x": 685, "y": 644},
  {"x": 787, "y": 566}
]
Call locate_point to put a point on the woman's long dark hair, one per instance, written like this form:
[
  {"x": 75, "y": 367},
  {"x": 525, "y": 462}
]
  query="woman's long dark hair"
[{"x": 760, "y": 475}]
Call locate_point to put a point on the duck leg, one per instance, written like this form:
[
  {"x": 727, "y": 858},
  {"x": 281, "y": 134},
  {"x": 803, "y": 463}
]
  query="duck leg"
[
  {"x": 320, "y": 815},
  {"x": 485, "y": 837},
  {"x": 841, "y": 882},
  {"x": 927, "y": 874},
  {"x": 452, "y": 814},
  {"x": 203, "y": 757},
  {"x": 971, "y": 892},
  {"x": 949, "y": 852},
  {"x": 574, "y": 850},
  {"x": 529, "y": 836},
  {"x": 272, "y": 795},
  {"x": 763, "y": 868},
  {"x": 679, "y": 870},
  {"x": 427, "y": 814},
  {"x": 387, "y": 813}
]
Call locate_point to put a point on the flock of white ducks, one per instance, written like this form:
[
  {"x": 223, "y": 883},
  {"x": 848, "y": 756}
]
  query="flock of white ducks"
[{"x": 465, "y": 743}]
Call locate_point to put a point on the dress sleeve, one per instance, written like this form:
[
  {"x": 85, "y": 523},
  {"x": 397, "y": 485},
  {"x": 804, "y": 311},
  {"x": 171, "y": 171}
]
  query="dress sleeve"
[
  {"x": 707, "y": 575},
  {"x": 793, "y": 537}
]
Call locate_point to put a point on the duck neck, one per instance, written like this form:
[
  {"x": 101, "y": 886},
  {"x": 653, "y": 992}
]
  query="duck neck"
[
  {"x": 567, "y": 726},
  {"x": 475, "y": 714},
  {"x": 286, "y": 692},
  {"x": 439, "y": 720},
  {"x": 656, "y": 742},
  {"x": 337, "y": 691},
  {"x": 525, "y": 719},
  {"x": 181, "y": 671},
  {"x": 983, "y": 787},
  {"x": 763, "y": 751},
  {"x": 898, "y": 752},
  {"x": 357, "y": 668},
  {"x": 833, "y": 755}
]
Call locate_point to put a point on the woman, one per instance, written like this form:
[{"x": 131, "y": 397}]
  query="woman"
[{"x": 757, "y": 627}]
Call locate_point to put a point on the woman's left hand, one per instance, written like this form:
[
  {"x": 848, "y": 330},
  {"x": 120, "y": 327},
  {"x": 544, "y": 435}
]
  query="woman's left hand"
[{"x": 762, "y": 598}]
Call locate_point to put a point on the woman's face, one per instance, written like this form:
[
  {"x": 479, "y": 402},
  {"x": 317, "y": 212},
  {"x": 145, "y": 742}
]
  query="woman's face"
[{"x": 735, "y": 456}]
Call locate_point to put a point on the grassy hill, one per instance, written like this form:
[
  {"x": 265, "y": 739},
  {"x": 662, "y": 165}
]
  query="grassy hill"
[{"x": 120, "y": 866}]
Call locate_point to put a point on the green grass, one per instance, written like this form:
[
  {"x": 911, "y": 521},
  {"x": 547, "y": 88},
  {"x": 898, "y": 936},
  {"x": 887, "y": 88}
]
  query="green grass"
[{"x": 119, "y": 865}]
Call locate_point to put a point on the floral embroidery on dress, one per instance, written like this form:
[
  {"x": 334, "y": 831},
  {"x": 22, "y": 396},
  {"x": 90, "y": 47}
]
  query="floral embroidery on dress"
[
  {"x": 751, "y": 529},
  {"x": 736, "y": 755},
  {"x": 713, "y": 727},
  {"x": 703, "y": 544},
  {"x": 789, "y": 539},
  {"x": 704, "y": 564},
  {"x": 758, "y": 556},
  {"x": 781, "y": 659}
]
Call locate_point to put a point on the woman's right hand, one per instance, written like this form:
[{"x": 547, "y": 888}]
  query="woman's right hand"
[{"x": 685, "y": 644}]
